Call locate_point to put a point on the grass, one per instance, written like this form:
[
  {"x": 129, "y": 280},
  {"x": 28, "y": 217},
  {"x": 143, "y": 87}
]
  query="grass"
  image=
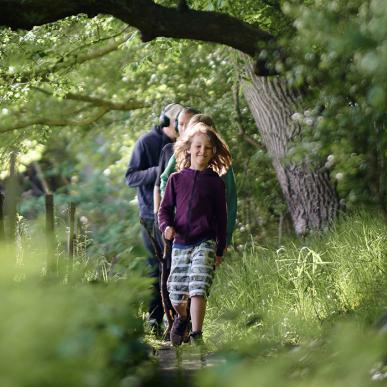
[
  {"x": 299, "y": 315},
  {"x": 309, "y": 298}
]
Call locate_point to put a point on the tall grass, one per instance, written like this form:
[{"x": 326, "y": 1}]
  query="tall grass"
[
  {"x": 292, "y": 293},
  {"x": 304, "y": 314}
]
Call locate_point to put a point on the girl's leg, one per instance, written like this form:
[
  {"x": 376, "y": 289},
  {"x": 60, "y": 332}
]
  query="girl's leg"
[
  {"x": 198, "y": 310},
  {"x": 177, "y": 283}
]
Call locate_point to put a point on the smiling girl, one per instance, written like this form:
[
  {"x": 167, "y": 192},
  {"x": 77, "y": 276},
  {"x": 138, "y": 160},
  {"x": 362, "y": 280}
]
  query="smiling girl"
[{"x": 193, "y": 213}]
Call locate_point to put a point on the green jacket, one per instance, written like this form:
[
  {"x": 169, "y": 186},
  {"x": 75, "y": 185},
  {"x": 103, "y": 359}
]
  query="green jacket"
[{"x": 231, "y": 194}]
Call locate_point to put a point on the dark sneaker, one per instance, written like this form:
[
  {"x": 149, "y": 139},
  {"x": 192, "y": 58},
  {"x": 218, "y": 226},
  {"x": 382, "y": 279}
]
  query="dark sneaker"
[
  {"x": 196, "y": 338},
  {"x": 178, "y": 330}
]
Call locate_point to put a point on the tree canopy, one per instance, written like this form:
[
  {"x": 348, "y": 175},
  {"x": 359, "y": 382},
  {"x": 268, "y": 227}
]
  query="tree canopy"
[{"x": 90, "y": 73}]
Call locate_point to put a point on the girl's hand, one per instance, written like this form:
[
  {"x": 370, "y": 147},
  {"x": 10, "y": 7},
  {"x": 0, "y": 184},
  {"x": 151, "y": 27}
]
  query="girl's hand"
[
  {"x": 169, "y": 233},
  {"x": 218, "y": 260}
]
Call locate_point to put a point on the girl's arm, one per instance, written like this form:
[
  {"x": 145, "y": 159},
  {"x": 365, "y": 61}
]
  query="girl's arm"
[{"x": 167, "y": 207}]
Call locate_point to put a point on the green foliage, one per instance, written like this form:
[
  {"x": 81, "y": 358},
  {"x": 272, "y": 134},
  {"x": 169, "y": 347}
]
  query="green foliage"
[
  {"x": 266, "y": 15},
  {"x": 339, "y": 55},
  {"x": 65, "y": 330},
  {"x": 304, "y": 314},
  {"x": 101, "y": 58},
  {"x": 94, "y": 157},
  {"x": 286, "y": 296},
  {"x": 350, "y": 355}
]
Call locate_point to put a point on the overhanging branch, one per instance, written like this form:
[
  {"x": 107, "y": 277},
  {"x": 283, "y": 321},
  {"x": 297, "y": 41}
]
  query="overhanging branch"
[
  {"x": 55, "y": 122},
  {"x": 103, "y": 106},
  {"x": 153, "y": 20},
  {"x": 130, "y": 104},
  {"x": 69, "y": 60}
]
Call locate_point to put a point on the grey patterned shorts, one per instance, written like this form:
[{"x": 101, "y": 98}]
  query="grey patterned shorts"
[{"x": 192, "y": 272}]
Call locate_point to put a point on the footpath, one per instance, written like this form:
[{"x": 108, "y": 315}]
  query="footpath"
[{"x": 178, "y": 366}]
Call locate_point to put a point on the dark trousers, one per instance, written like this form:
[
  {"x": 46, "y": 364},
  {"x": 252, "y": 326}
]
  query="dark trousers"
[{"x": 155, "y": 307}]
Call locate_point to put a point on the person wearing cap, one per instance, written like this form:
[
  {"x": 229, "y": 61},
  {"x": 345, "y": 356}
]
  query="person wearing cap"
[{"x": 141, "y": 174}]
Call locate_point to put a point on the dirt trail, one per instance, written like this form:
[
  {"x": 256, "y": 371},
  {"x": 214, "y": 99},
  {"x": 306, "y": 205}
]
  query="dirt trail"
[{"x": 179, "y": 366}]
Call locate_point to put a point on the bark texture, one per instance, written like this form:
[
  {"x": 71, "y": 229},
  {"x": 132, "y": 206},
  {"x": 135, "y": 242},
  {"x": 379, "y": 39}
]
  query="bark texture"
[{"x": 312, "y": 199}]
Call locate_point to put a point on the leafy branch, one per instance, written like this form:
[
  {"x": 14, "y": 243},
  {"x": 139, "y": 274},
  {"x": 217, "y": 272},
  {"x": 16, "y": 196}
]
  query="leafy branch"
[
  {"x": 130, "y": 104},
  {"x": 103, "y": 107},
  {"x": 55, "y": 122},
  {"x": 67, "y": 61},
  {"x": 153, "y": 20}
]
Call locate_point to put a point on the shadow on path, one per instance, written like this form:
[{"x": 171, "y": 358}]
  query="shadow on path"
[{"x": 179, "y": 366}]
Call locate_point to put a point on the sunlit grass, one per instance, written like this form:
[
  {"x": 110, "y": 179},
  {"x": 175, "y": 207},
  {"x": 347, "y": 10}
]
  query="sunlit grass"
[{"x": 265, "y": 301}]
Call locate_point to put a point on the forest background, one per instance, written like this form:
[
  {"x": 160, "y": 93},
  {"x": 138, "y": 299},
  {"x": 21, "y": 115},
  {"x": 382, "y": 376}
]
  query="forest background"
[{"x": 77, "y": 93}]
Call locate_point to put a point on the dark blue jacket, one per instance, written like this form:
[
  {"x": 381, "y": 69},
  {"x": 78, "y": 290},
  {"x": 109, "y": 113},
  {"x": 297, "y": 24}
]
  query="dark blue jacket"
[{"x": 143, "y": 168}]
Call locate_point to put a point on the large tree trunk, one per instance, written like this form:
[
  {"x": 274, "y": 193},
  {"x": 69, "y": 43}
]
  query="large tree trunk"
[{"x": 312, "y": 200}]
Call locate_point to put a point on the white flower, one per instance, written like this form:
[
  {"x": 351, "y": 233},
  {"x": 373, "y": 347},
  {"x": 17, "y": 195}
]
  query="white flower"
[
  {"x": 297, "y": 116},
  {"x": 330, "y": 161},
  {"x": 309, "y": 121},
  {"x": 339, "y": 176},
  {"x": 308, "y": 113},
  {"x": 84, "y": 219},
  {"x": 74, "y": 179}
]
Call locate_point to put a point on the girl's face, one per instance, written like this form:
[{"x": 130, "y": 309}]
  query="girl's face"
[{"x": 201, "y": 151}]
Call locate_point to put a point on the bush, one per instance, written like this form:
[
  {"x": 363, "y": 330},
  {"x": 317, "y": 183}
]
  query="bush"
[{"x": 67, "y": 331}]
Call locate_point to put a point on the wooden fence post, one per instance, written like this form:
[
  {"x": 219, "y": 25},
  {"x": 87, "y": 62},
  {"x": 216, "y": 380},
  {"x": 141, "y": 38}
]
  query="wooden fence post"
[
  {"x": 50, "y": 228},
  {"x": 71, "y": 238},
  {"x": 12, "y": 193}
]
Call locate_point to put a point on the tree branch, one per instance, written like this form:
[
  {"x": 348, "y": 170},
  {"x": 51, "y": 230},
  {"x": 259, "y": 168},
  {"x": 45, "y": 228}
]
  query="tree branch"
[
  {"x": 64, "y": 62},
  {"x": 104, "y": 107},
  {"x": 153, "y": 20},
  {"x": 130, "y": 104},
  {"x": 55, "y": 122}
]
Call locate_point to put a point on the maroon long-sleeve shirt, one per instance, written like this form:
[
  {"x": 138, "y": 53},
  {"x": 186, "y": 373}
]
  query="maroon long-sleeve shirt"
[{"x": 194, "y": 204}]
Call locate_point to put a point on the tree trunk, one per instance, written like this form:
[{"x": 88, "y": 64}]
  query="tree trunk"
[{"x": 312, "y": 200}]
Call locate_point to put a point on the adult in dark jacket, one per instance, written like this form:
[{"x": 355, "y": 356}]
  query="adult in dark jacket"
[
  {"x": 182, "y": 120},
  {"x": 141, "y": 174}
]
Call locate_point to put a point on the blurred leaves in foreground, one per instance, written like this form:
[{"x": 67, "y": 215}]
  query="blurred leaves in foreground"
[
  {"x": 68, "y": 331},
  {"x": 348, "y": 356}
]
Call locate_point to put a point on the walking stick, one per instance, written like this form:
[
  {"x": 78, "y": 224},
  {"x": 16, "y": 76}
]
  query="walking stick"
[{"x": 163, "y": 258}]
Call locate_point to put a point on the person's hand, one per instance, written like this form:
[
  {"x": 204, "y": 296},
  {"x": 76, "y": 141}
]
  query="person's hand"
[
  {"x": 218, "y": 260},
  {"x": 169, "y": 233}
]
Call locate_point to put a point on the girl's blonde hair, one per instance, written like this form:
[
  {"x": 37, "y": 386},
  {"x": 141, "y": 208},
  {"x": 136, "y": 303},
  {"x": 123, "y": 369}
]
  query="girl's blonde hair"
[
  {"x": 203, "y": 118},
  {"x": 221, "y": 160}
]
